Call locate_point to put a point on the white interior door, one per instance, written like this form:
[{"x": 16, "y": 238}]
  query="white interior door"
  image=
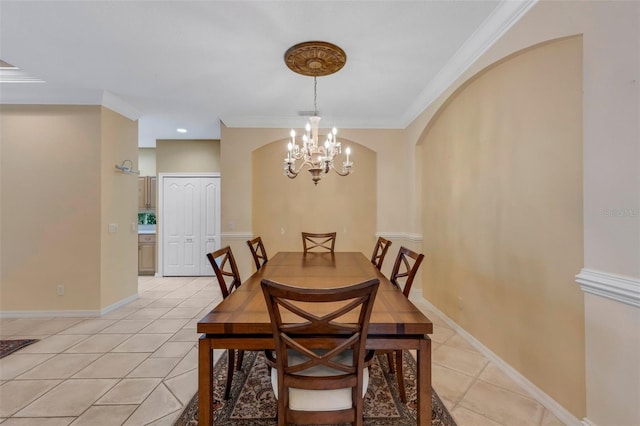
[
  {"x": 190, "y": 224},
  {"x": 210, "y": 221}
]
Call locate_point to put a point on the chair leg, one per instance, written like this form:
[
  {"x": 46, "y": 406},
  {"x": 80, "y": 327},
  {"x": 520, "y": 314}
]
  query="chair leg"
[
  {"x": 400, "y": 376},
  {"x": 230, "y": 368},
  {"x": 390, "y": 362},
  {"x": 240, "y": 358}
]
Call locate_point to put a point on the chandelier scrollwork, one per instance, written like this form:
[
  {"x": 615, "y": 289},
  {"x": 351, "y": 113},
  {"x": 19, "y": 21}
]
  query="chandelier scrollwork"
[{"x": 315, "y": 59}]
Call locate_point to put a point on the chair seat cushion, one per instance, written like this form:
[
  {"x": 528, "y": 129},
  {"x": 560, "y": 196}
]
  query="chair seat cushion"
[{"x": 319, "y": 400}]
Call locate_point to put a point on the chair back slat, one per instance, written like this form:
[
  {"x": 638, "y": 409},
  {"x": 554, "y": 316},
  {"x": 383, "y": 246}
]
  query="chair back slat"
[
  {"x": 405, "y": 269},
  {"x": 258, "y": 252},
  {"x": 324, "y": 328},
  {"x": 321, "y": 241},
  {"x": 379, "y": 252},
  {"x": 225, "y": 269}
]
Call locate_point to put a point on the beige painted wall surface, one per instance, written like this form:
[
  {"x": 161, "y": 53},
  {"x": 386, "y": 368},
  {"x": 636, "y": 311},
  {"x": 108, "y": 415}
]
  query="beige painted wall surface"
[
  {"x": 190, "y": 156},
  {"x": 283, "y": 207},
  {"x": 502, "y": 215},
  {"x": 612, "y": 139},
  {"x": 612, "y": 331},
  {"x": 51, "y": 207},
  {"x": 119, "y": 205},
  {"x": 147, "y": 161}
]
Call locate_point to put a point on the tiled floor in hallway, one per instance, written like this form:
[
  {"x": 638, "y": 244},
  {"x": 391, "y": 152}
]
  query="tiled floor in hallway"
[{"x": 138, "y": 366}]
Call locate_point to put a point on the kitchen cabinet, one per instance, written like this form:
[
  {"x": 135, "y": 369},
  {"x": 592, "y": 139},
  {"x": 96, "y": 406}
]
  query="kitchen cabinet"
[
  {"x": 146, "y": 254},
  {"x": 147, "y": 192}
]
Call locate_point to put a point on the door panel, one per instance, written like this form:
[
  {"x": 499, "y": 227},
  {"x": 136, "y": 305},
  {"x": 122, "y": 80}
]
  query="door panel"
[
  {"x": 191, "y": 221},
  {"x": 210, "y": 230}
]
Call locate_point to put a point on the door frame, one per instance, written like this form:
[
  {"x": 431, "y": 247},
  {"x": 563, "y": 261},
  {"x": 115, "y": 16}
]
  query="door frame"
[{"x": 160, "y": 215}]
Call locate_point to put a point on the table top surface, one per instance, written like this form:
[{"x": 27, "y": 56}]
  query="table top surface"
[{"x": 245, "y": 310}]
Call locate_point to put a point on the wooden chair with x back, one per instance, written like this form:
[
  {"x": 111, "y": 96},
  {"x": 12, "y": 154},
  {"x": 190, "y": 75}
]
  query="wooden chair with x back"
[
  {"x": 321, "y": 241},
  {"x": 379, "y": 252},
  {"x": 258, "y": 252},
  {"x": 320, "y": 374},
  {"x": 402, "y": 276},
  {"x": 226, "y": 271}
]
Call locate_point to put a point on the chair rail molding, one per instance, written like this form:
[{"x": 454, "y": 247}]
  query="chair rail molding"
[
  {"x": 416, "y": 238},
  {"x": 615, "y": 287},
  {"x": 236, "y": 236}
]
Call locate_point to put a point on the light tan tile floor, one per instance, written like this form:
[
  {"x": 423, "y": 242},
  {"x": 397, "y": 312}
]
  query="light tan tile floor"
[{"x": 137, "y": 365}]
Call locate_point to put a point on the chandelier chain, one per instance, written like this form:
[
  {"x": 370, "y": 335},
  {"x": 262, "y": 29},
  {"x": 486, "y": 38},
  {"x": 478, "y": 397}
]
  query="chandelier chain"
[{"x": 315, "y": 95}]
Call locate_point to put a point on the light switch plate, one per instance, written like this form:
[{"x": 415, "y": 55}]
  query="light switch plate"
[{"x": 113, "y": 228}]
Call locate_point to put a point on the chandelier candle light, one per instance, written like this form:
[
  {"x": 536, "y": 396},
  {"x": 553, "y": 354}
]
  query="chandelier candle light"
[{"x": 315, "y": 58}]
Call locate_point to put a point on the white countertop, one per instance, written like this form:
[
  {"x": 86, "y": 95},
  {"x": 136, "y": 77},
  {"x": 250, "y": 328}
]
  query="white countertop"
[{"x": 146, "y": 229}]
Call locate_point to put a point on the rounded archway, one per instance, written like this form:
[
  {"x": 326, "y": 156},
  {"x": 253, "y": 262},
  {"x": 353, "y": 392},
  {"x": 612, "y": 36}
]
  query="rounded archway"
[{"x": 283, "y": 207}]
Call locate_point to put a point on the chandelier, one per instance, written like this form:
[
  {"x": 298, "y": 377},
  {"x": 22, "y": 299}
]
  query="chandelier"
[{"x": 315, "y": 58}]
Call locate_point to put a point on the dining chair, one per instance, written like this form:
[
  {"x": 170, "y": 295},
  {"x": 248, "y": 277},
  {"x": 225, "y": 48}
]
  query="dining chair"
[
  {"x": 226, "y": 270},
  {"x": 258, "y": 252},
  {"x": 322, "y": 241},
  {"x": 320, "y": 374},
  {"x": 379, "y": 252},
  {"x": 402, "y": 275}
]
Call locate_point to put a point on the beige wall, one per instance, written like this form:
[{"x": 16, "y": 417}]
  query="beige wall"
[
  {"x": 282, "y": 208},
  {"x": 147, "y": 161},
  {"x": 51, "y": 220},
  {"x": 187, "y": 156},
  {"x": 119, "y": 205},
  {"x": 502, "y": 215}
]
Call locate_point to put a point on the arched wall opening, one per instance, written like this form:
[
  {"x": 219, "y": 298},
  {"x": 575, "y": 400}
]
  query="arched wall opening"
[
  {"x": 282, "y": 208},
  {"x": 502, "y": 214}
]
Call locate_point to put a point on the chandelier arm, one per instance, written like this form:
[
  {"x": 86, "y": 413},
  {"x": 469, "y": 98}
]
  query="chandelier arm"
[
  {"x": 290, "y": 172},
  {"x": 345, "y": 173}
]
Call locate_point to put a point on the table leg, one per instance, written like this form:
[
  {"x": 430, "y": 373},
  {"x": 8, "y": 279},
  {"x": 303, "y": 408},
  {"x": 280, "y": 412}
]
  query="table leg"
[
  {"x": 424, "y": 382},
  {"x": 205, "y": 381}
]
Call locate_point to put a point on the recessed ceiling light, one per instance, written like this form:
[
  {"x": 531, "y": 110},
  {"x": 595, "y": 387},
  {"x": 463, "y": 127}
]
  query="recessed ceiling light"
[{"x": 181, "y": 130}]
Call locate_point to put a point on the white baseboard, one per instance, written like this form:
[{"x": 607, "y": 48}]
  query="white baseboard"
[
  {"x": 536, "y": 393},
  {"x": 49, "y": 314},
  {"x": 119, "y": 304},
  {"x": 587, "y": 422},
  {"x": 68, "y": 314}
]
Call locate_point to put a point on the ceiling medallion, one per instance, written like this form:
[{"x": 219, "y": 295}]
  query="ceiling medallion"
[{"x": 315, "y": 58}]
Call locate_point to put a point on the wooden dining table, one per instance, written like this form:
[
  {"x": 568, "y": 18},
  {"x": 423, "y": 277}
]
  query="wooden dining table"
[{"x": 241, "y": 321}]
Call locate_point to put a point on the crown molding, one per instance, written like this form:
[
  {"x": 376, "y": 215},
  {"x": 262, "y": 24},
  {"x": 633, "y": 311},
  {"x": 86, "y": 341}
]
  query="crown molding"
[
  {"x": 115, "y": 103},
  {"x": 504, "y": 16}
]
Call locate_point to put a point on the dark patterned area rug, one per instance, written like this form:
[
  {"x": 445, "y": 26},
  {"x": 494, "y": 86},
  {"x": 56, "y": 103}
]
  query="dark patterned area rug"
[
  {"x": 253, "y": 403},
  {"x": 7, "y": 347}
]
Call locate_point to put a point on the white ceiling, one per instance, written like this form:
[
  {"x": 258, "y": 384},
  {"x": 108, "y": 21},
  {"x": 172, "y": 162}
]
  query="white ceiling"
[{"x": 192, "y": 64}]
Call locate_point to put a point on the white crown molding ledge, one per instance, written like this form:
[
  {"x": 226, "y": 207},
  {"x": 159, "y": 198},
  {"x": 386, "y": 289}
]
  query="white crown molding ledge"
[
  {"x": 611, "y": 286},
  {"x": 115, "y": 103},
  {"x": 504, "y": 16}
]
